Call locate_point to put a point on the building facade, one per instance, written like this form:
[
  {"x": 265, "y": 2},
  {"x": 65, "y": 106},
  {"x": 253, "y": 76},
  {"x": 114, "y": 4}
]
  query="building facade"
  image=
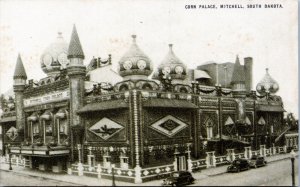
[{"x": 78, "y": 115}]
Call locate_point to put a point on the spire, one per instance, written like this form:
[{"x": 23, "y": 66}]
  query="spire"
[
  {"x": 20, "y": 70},
  {"x": 75, "y": 49},
  {"x": 133, "y": 38},
  {"x": 238, "y": 75}
]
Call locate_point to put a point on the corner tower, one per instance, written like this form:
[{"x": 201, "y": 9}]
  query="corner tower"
[
  {"x": 76, "y": 73},
  {"x": 20, "y": 78}
]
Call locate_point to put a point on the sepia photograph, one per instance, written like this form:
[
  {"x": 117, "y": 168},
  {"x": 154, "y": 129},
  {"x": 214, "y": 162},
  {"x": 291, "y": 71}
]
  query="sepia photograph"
[{"x": 149, "y": 93}]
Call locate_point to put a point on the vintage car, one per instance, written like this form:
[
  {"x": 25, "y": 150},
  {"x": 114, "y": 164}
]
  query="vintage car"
[
  {"x": 238, "y": 165},
  {"x": 178, "y": 178},
  {"x": 257, "y": 161}
]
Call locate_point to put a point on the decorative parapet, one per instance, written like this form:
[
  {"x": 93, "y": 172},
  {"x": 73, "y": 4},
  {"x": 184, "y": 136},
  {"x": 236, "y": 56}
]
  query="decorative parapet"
[{"x": 155, "y": 171}]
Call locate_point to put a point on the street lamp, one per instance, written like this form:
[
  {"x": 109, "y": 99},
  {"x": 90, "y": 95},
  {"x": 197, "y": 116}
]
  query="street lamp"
[
  {"x": 293, "y": 155},
  {"x": 9, "y": 156},
  {"x": 113, "y": 174}
]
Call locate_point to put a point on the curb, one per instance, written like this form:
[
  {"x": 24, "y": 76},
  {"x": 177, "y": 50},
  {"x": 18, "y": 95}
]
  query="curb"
[{"x": 34, "y": 176}]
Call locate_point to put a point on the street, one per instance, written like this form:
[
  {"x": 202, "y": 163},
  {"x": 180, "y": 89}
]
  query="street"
[
  {"x": 16, "y": 179},
  {"x": 274, "y": 174}
]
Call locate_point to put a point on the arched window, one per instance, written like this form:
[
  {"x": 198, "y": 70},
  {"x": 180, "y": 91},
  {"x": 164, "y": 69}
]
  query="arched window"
[
  {"x": 183, "y": 90},
  {"x": 209, "y": 128},
  {"x": 147, "y": 86},
  {"x": 124, "y": 87}
]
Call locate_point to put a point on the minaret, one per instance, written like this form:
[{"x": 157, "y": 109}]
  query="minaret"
[
  {"x": 20, "y": 78},
  {"x": 76, "y": 72},
  {"x": 238, "y": 80}
]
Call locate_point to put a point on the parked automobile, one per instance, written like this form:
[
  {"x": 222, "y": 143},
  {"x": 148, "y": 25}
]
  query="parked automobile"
[
  {"x": 238, "y": 165},
  {"x": 257, "y": 161},
  {"x": 178, "y": 178}
]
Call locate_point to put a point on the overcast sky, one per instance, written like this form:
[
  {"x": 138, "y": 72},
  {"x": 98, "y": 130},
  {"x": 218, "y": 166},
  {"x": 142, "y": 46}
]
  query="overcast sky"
[{"x": 199, "y": 35}]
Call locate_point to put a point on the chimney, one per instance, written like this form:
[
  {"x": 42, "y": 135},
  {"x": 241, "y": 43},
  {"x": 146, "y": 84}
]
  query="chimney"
[{"x": 248, "y": 62}]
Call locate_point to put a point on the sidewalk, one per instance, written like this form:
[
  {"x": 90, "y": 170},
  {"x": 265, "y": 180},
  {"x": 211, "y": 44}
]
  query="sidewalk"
[{"x": 91, "y": 181}]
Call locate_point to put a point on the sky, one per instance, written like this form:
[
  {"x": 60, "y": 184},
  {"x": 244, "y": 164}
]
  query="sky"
[{"x": 198, "y": 35}]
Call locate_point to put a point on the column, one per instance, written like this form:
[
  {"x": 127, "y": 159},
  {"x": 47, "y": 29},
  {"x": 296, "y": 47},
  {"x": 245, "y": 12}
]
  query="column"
[
  {"x": 91, "y": 159},
  {"x": 175, "y": 158},
  {"x": 189, "y": 160}
]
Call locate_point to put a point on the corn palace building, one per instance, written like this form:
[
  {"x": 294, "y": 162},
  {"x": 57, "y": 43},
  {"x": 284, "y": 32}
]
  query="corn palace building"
[{"x": 138, "y": 117}]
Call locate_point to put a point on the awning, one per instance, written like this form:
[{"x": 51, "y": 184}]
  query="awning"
[
  {"x": 61, "y": 113},
  {"x": 168, "y": 103},
  {"x": 198, "y": 74},
  {"x": 32, "y": 117},
  {"x": 8, "y": 119},
  {"x": 270, "y": 108},
  {"x": 46, "y": 115},
  {"x": 105, "y": 105},
  {"x": 228, "y": 138}
]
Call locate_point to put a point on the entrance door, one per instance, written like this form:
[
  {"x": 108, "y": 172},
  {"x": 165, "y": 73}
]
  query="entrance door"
[{"x": 181, "y": 163}]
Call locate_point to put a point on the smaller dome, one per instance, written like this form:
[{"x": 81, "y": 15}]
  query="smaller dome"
[
  {"x": 267, "y": 84},
  {"x": 135, "y": 63},
  {"x": 54, "y": 56},
  {"x": 173, "y": 66}
]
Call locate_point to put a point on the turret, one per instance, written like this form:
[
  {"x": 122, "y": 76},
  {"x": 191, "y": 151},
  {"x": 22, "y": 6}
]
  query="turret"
[
  {"x": 76, "y": 73},
  {"x": 20, "y": 78},
  {"x": 238, "y": 79}
]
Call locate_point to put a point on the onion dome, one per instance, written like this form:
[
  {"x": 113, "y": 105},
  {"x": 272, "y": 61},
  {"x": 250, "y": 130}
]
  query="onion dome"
[
  {"x": 173, "y": 66},
  {"x": 54, "y": 56},
  {"x": 267, "y": 84},
  {"x": 135, "y": 63}
]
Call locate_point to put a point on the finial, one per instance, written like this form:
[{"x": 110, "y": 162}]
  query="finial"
[
  {"x": 237, "y": 59},
  {"x": 59, "y": 34},
  {"x": 133, "y": 38},
  {"x": 171, "y": 47}
]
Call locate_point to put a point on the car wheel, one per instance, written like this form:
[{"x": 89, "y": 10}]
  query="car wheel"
[{"x": 190, "y": 181}]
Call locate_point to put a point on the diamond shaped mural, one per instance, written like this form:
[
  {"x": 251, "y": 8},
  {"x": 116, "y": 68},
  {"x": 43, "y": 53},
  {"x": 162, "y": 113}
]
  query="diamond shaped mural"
[
  {"x": 168, "y": 125},
  {"x": 247, "y": 121},
  {"x": 229, "y": 121},
  {"x": 261, "y": 121},
  {"x": 12, "y": 133},
  {"x": 105, "y": 128}
]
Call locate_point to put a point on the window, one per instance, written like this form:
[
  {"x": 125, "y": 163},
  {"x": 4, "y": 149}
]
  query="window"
[
  {"x": 209, "y": 130},
  {"x": 271, "y": 129}
]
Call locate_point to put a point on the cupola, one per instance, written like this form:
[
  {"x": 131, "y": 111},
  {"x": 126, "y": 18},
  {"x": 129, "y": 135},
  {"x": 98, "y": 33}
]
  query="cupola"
[
  {"x": 172, "y": 66},
  {"x": 267, "y": 84},
  {"x": 135, "y": 64},
  {"x": 54, "y": 57}
]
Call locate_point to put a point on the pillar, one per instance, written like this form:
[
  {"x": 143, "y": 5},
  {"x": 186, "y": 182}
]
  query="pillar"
[
  {"x": 99, "y": 170},
  {"x": 248, "y": 152},
  {"x": 230, "y": 154},
  {"x": 210, "y": 159},
  {"x": 262, "y": 150},
  {"x": 189, "y": 160}
]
